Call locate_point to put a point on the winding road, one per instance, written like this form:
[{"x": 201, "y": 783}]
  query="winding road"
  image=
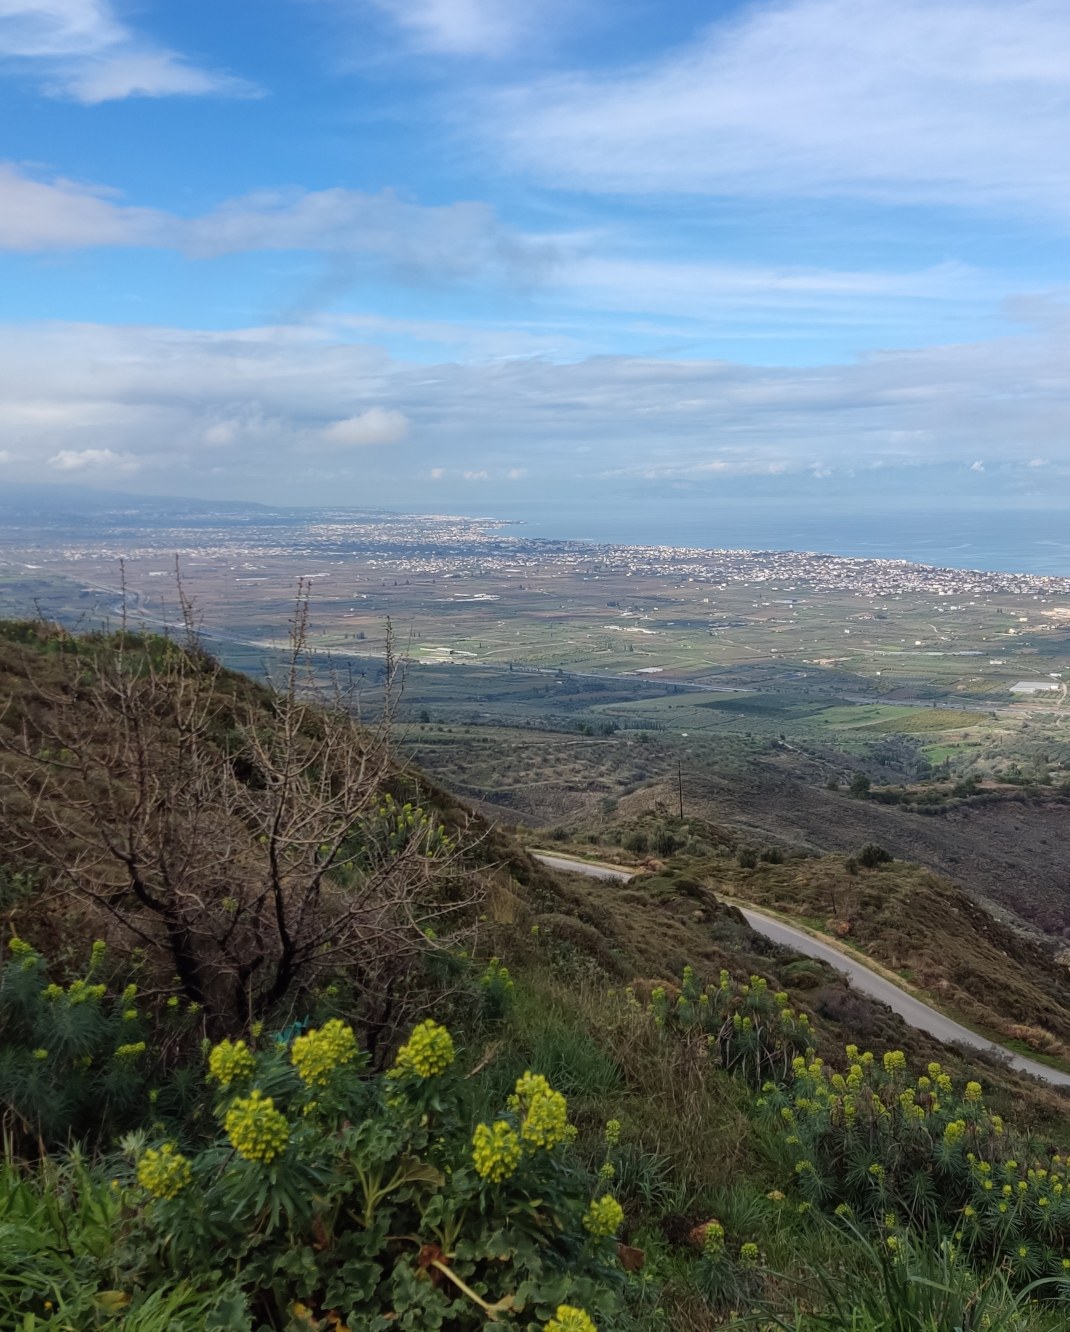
[{"x": 911, "y": 1010}]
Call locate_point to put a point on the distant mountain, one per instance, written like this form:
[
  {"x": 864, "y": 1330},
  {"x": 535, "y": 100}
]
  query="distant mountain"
[{"x": 50, "y": 501}]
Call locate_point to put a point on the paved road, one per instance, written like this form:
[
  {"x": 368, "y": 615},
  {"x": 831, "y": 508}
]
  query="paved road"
[
  {"x": 911, "y": 1010},
  {"x": 584, "y": 867}
]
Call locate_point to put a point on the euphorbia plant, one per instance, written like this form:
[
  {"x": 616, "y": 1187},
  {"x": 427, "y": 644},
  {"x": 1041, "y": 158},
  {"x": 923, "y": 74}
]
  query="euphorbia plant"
[{"x": 336, "y": 1198}]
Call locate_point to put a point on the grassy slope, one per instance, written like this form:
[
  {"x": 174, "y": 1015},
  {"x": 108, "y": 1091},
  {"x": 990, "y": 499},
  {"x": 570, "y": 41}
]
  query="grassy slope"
[
  {"x": 693, "y": 1147},
  {"x": 596, "y": 936}
]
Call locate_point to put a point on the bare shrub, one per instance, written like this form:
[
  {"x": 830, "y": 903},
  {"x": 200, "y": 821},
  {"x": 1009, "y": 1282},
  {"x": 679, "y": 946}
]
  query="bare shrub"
[{"x": 246, "y": 839}]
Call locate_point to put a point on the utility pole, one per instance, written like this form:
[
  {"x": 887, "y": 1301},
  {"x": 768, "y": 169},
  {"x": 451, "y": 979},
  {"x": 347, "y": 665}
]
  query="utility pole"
[{"x": 680, "y": 786}]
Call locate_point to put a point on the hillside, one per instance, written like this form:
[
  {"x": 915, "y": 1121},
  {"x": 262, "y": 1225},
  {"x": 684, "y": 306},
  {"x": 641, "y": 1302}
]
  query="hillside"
[
  {"x": 452, "y": 1088},
  {"x": 1007, "y": 848}
]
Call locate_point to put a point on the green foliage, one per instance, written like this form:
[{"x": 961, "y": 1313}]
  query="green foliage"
[
  {"x": 921, "y": 1285},
  {"x": 331, "y": 1190},
  {"x": 74, "y": 1062},
  {"x": 663, "y": 841},
  {"x": 873, "y": 855},
  {"x": 495, "y": 991},
  {"x": 64, "y": 1263},
  {"x": 754, "y": 1032},
  {"x": 894, "y": 1150}
]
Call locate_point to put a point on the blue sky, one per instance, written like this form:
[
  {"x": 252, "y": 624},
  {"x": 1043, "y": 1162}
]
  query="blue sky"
[{"x": 413, "y": 252}]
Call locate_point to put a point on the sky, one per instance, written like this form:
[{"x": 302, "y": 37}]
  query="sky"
[{"x": 467, "y": 253}]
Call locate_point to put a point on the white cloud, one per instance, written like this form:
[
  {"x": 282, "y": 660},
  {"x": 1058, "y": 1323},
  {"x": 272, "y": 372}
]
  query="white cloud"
[
  {"x": 279, "y": 412},
  {"x": 947, "y": 101},
  {"x": 70, "y": 460},
  {"x": 80, "y": 49},
  {"x": 459, "y": 239},
  {"x": 463, "y": 340},
  {"x": 375, "y": 426},
  {"x": 464, "y": 27},
  {"x": 691, "y": 289},
  {"x": 450, "y": 241},
  {"x": 51, "y": 28},
  {"x": 61, "y": 215},
  {"x": 461, "y": 242},
  {"x": 149, "y": 74}
]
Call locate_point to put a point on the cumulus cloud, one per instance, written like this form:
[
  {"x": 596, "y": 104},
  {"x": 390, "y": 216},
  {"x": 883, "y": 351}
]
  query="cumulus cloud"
[
  {"x": 71, "y": 460},
  {"x": 377, "y": 425},
  {"x": 935, "y": 101},
  {"x": 80, "y": 49},
  {"x": 272, "y": 410}
]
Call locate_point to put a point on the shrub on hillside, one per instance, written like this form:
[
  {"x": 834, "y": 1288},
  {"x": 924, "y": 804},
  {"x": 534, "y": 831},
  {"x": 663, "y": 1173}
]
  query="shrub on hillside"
[
  {"x": 873, "y": 855},
  {"x": 245, "y": 841},
  {"x": 360, "y": 1199},
  {"x": 898, "y": 1151},
  {"x": 98, "y": 1057},
  {"x": 73, "y": 1060},
  {"x": 663, "y": 841},
  {"x": 754, "y": 1033}
]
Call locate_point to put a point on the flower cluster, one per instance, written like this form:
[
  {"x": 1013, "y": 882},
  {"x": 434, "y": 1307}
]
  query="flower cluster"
[
  {"x": 406, "y": 823},
  {"x": 495, "y": 1151},
  {"x": 130, "y": 1051},
  {"x": 257, "y": 1131},
  {"x": 603, "y": 1217},
  {"x": 427, "y": 1053},
  {"x": 545, "y": 1112},
  {"x": 231, "y": 1063},
  {"x": 322, "y": 1050},
  {"x": 165, "y": 1173},
  {"x": 713, "y": 1239},
  {"x": 568, "y": 1319},
  {"x": 496, "y": 976},
  {"x": 542, "y": 1116}
]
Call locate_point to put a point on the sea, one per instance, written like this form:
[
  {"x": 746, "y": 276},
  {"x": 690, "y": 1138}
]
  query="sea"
[{"x": 1004, "y": 540}]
